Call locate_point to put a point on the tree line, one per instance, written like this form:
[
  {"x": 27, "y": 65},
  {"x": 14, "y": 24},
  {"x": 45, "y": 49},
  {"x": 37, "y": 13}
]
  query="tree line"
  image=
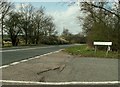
[{"x": 32, "y": 25}]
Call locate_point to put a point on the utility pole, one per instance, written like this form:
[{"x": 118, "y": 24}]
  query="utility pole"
[
  {"x": 118, "y": 25},
  {"x": 2, "y": 28}
]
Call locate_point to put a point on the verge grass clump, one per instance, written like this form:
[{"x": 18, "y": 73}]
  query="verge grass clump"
[{"x": 86, "y": 51}]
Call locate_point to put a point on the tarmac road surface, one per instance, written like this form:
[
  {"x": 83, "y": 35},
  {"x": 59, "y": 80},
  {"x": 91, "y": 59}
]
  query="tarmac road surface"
[
  {"x": 10, "y": 55},
  {"x": 62, "y": 67}
]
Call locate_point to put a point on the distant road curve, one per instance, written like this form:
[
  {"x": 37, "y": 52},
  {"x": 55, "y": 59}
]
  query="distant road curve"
[{"x": 10, "y": 55}]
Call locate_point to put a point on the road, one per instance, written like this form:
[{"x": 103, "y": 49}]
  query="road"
[
  {"x": 62, "y": 67},
  {"x": 10, "y": 55},
  {"x": 56, "y": 67}
]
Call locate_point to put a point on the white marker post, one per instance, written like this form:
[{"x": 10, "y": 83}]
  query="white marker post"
[{"x": 103, "y": 44}]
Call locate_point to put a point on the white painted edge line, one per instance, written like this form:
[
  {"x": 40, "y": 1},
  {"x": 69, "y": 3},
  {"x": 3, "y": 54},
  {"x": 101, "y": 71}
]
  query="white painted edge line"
[
  {"x": 63, "y": 83},
  {"x": 4, "y": 66},
  {"x": 25, "y": 49},
  {"x": 14, "y": 63},
  {"x": 25, "y": 60}
]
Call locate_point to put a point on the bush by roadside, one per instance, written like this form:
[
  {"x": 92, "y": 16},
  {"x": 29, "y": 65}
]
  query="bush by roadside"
[{"x": 85, "y": 51}]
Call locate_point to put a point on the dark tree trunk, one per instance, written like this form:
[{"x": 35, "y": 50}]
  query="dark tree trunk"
[
  {"x": 26, "y": 38},
  {"x": 15, "y": 40}
]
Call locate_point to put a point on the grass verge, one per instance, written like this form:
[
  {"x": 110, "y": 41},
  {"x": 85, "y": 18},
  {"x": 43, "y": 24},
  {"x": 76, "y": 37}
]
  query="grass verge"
[{"x": 85, "y": 51}]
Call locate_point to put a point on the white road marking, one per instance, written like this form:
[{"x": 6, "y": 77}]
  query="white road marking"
[
  {"x": 25, "y": 49},
  {"x": 63, "y": 83},
  {"x": 4, "y": 66},
  {"x": 14, "y": 63},
  {"x": 25, "y": 60},
  {"x": 37, "y": 57}
]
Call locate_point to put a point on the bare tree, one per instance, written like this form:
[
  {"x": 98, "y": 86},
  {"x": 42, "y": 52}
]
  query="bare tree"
[
  {"x": 13, "y": 27},
  {"x": 102, "y": 23},
  {"x": 93, "y": 4},
  {"x": 27, "y": 13},
  {"x": 4, "y": 10},
  {"x": 38, "y": 21}
]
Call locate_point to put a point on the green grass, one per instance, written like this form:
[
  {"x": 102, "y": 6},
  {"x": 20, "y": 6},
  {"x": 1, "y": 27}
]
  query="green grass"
[{"x": 85, "y": 51}]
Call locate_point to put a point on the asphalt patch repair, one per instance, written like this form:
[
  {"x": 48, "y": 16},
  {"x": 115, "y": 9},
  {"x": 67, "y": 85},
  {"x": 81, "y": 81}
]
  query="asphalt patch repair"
[{"x": 62, "y": 67}]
